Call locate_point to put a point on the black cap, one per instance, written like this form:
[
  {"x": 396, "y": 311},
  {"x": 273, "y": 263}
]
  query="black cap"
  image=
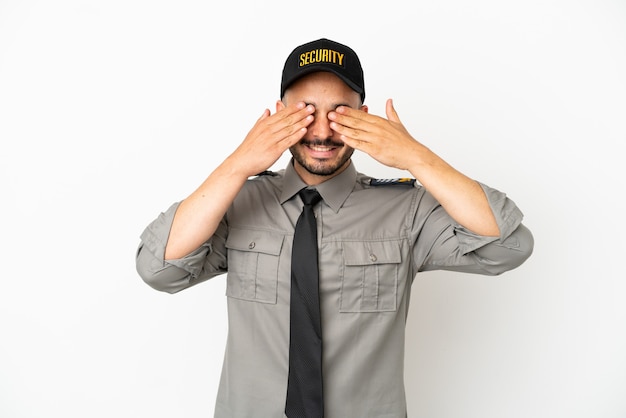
[{"x": 324, "y": 55}]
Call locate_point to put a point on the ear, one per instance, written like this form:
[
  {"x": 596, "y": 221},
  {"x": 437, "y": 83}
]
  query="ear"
[
  {"x": 365, "y": 109},
  {"x": 279, "y": 105}
]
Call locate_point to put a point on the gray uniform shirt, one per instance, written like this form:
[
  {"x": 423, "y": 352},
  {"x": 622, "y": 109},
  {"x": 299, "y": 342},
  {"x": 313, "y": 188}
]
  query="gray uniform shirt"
[{"x": 373, "y": 240}]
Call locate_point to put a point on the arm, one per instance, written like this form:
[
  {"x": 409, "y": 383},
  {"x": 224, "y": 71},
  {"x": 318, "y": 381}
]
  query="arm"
[
  {"x": 388, "y": 141},
  {"x": 199, "y": 215},
  {"x": 446, "y": 245}
]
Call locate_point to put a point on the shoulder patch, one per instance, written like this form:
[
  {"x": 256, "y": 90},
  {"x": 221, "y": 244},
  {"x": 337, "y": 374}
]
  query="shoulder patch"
[{"x": 404, "y": 181}]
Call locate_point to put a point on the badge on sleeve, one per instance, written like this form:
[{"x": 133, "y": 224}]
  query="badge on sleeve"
[{"x": 404, "y": 181}]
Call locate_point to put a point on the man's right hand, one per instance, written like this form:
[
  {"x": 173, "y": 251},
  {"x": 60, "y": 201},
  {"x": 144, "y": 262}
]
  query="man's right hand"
[
  {"x": 270, "y": 137},
  {"x": 198, "y": 216}
]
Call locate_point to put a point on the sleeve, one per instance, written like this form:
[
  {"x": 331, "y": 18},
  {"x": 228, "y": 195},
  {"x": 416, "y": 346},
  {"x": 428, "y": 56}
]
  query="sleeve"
[
  {"x": 175, "y": 275},
  {"x": 453, "y": 247}
]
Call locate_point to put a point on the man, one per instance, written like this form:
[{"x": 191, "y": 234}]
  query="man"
[{"x": 373, "y": 237}]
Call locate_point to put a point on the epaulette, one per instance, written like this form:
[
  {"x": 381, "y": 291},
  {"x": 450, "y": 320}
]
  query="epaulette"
[
  {"x": 404, "y": 181},
  {"x": 267, "y": 173}
]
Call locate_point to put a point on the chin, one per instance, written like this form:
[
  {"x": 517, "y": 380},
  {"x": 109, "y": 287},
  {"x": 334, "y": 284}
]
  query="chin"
[
  {"x": 322, "y": 168},
  {"x": 322, "y": 171}
]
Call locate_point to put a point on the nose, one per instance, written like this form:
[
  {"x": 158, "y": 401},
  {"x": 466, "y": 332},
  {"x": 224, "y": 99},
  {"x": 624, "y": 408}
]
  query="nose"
[{"x": 320, "y": 127}]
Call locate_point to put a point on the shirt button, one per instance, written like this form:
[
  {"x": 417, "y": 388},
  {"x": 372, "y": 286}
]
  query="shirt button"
[
  {"x": 252, "y": 245},
  {"x": 373, "y": 258}
]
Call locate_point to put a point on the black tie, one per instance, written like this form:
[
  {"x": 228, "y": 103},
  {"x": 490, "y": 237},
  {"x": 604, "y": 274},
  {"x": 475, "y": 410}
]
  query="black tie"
[{"x": 304, "y": 388}]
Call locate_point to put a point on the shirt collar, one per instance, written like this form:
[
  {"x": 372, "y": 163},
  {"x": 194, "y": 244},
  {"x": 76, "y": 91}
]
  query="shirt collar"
[{"x": 334, "y": 191}]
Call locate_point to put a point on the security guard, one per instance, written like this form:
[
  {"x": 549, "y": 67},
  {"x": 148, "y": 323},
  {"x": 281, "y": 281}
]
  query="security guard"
[{"x": 373, "y": 237}]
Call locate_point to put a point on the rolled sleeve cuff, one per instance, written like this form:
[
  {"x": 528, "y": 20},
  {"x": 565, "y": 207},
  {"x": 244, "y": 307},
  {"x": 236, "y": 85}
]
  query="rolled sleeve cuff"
[
  {"x": 507, "y": 214},
  {"x": 155, "y": 236},
  {"x": 154, "y": 239}
]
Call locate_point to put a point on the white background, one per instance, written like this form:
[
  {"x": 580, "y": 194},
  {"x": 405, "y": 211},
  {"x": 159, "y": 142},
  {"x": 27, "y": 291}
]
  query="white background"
[{"x": 112, "y": 110}]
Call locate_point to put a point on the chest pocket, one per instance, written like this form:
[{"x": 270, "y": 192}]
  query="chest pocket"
[
  {"x": 370, "y": 276},
  {"x": 253, "y": 259}
]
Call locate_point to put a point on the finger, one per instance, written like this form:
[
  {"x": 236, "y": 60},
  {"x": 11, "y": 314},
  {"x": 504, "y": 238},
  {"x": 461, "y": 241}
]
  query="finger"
[
  {"x": 289, "y": 125},
  {"x": 298, "y": 121},
  {"x": 354, "y": 138},
  {"x": 392, "y": 115},
  {"x": 293, "y": 115},
  {"x": 352, "y": 118},
  {"x": 283, "y": 128},
  {"x": 291, "y": 134},
  {"x": 352, "y": 112},
  {"x": 295, "y": 109},
  {"x": 292, "y": 138},
  {"x": 265, "y": 114}
]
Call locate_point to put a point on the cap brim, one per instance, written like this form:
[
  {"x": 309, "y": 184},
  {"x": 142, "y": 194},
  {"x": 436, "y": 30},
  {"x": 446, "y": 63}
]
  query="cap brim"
[{"x": 319, "y": 68}]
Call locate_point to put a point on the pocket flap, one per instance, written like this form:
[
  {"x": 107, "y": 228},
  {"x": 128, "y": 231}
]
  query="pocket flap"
[
  {"x": 371, "y": 252},
  {"x": 265, "y": 242}
]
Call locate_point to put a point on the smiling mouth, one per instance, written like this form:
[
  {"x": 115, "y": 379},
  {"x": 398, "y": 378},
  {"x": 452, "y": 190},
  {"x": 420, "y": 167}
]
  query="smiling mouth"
[
  {"x": 319, "y": 148},
  {"x": 322, "y": 146}
]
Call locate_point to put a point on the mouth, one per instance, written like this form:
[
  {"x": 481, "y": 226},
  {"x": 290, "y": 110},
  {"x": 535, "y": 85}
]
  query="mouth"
[
  {"x": 327, "y": 145},
  {"x": 322, "y": 150}
]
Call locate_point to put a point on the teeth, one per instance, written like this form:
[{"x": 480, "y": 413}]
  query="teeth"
[{"x": 321, "y": 149}]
